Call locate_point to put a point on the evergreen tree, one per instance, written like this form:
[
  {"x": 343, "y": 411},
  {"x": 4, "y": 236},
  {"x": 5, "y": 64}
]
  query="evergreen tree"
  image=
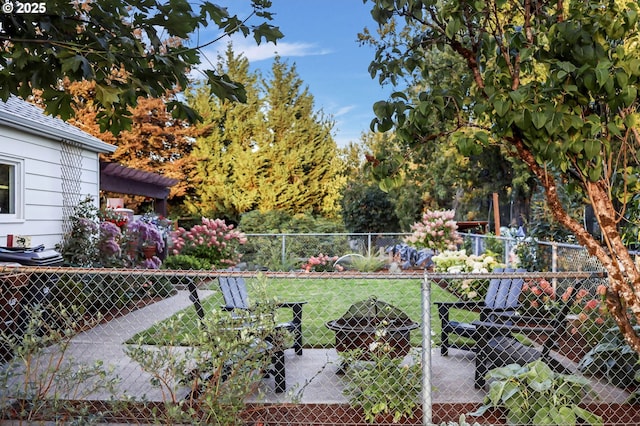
[
  {"x": 272, "y": 153},
  {"x": 301, "y": 154},
  {"x": 228, "y": 166}
]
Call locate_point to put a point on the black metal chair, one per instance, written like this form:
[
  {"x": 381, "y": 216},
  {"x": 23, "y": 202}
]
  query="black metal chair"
[
  {"x": 277, "y": 353},
  {"x": 493, "y": 335}
]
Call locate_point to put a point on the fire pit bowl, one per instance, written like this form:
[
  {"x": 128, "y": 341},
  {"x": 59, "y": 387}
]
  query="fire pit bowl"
[{"x": 356, "y": 329}]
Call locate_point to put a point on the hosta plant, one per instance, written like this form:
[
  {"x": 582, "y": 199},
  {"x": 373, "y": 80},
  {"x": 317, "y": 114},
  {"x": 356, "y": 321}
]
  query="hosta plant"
[{"x": 535, "y": 394}]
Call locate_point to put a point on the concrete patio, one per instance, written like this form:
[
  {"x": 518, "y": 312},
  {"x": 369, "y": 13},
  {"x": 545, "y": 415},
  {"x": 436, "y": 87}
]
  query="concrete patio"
[{"x": 311, "y": 378}]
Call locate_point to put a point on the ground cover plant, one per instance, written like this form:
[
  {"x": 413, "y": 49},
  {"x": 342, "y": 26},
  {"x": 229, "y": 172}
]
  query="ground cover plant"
[{"x": 327, "y": 299}]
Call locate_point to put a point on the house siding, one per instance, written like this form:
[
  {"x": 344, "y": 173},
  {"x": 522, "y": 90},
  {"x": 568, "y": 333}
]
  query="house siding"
[{"x": 42, "y": 195}]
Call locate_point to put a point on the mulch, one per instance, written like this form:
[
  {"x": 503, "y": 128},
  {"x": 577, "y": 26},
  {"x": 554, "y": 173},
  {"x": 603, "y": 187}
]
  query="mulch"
[{"x": 314, "y": 414}]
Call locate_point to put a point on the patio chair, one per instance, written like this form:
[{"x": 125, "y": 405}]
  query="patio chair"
[
  {"x": 234, "y": 291},
  {"x": 277, "y": 354},
  {"x": 502, "y": 297},
  {"x": 496, "y": 346}
]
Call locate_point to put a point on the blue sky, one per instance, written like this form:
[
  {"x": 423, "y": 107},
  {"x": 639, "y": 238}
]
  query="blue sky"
[{"x": 320, "y": 37}]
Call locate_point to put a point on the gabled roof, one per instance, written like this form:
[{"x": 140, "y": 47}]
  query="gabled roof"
[{"x": 27, "y": 117}]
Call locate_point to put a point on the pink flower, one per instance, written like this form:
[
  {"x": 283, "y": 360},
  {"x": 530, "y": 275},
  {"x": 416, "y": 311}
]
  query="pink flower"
[
  {"x": 567, "y": 294},
  {"x": 591, "y": 305}
]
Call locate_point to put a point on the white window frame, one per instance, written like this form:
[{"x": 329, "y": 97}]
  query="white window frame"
[{"x": 18, "y": 190}]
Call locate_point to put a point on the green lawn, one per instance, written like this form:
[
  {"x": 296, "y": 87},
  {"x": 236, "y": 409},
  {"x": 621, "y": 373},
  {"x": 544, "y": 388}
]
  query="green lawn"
[{"x": 327, "y": 299}]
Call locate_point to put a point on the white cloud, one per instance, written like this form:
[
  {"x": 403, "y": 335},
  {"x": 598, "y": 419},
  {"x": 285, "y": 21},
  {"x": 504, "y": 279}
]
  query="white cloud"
[
  {"x": 344, "y": 110},
  {"x": 254, "y": 52}
]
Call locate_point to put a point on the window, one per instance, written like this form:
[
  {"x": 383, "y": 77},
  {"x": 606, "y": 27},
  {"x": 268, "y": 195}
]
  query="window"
[
  {"x": 10, "y": 188},
  {"x": 7, "y": 189}
]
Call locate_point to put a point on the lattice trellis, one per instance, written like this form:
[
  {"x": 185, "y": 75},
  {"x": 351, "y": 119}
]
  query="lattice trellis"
[{"x": 71, "y": 174}]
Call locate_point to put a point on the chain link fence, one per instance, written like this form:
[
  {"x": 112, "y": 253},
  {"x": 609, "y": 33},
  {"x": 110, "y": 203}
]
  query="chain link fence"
[
  {"x": 283, "y": 252},
  {"x": 159, "y": 346}
]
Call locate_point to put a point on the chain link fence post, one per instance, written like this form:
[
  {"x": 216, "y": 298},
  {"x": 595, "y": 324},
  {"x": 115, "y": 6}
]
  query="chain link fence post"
[{"x": 426, "y": 351}]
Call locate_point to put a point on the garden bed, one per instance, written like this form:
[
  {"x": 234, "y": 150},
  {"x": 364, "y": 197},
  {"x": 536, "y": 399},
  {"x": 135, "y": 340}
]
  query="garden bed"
[{"x": 309, "y": 414}]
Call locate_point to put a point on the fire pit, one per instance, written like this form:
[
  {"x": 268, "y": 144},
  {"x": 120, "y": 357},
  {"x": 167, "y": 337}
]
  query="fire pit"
[{"x": 356, "y": 329}]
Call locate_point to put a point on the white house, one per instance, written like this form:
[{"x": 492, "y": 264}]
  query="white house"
[{"x": 46, "y": 167}]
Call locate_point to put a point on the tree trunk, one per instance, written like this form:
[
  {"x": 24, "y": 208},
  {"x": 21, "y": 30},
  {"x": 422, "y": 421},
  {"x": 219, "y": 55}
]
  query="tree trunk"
[{"x": 624, "y": 280}]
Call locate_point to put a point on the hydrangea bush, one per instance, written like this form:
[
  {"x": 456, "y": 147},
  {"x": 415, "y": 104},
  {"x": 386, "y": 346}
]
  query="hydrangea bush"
[
  {"x": 436, "y": 230},
  {"x": 457, "y": 261},
  {"x": 105, "y": 238},
  {"x": 213, "y": 240}
]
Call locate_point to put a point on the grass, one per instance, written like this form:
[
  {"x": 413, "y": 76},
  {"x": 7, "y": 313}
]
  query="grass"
[{"x": 327, "y": 299}]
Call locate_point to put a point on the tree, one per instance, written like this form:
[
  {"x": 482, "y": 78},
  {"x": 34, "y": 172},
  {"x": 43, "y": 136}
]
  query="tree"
[
  {"x": 227, "y": 165},
  {"x": 303, "y": 165},
  {"x": 556, "y": 84},
  {"x": 156, "y": 142},
  {"x": 131, "y": 49},
  {"x": 366, "y": 208},
  {"x": 438, "y": 171},
  {"x": 272, "y": 153}
]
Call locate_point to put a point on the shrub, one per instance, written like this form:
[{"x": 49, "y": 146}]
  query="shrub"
[
  {"x": 219, "y": 367},
  {"x": 321, "y": 263},
  {"x": 105, "y": 238},
  {"x": 436, "y": 230},
  {"x": 213, "y": 240},
  {"x": 38, "y": 383},
  {"x": 186, "y": 262},
  {"x": 78, "y": 247},
  {"x": 385, "y": 385},
  {"x": 266, "y": 251},
  {"x": 535, "y": 394},
  {"x": 366, "y": 208}
]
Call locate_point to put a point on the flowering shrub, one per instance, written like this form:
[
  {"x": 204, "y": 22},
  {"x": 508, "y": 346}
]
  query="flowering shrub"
[
  {"x": 79, "y": 245},
  {"x": 593, "y": 317},
  {"x": 437, "y": 230},
  {"x": 105, "y": 238},
  {"x": 160, "y": 222},
  {"x": 457, "y": 261},
  {"x": 539, "y": 298},
  {"x": 321, "y": 263},
  {"x": 138, "y": 235},
  {"x": 109, "y": 245},
  {"x": 213, "y": 240},
  {"x": 145, "y": 234}
]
